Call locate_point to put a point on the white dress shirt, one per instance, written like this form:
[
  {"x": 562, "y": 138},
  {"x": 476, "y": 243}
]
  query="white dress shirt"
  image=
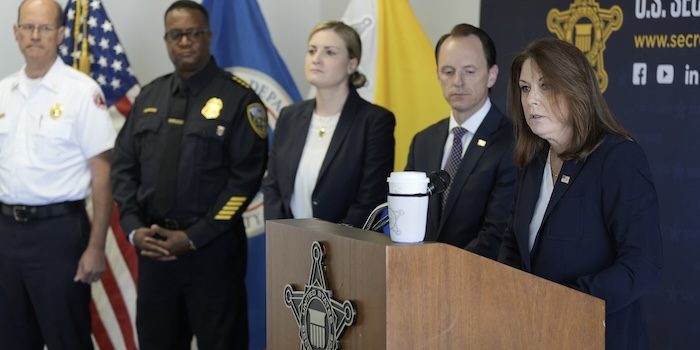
[
  {"x": 546, "y": 190},
  {"x": 471, "y": 124},
  {"x": 317, "y": 141},
  {"x": 49, "y": 129}
]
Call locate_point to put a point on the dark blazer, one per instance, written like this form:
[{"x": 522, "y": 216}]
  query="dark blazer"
[
  {"x": 352, "y": 179},
  {"x": 600, "y": 233},
  {"x": 481, "y": 197}
]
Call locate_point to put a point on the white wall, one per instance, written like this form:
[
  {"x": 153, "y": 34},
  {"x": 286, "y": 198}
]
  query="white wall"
[{"x": 139, "y": 25}]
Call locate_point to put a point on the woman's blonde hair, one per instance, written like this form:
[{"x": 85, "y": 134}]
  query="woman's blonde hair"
[{"x": 353, "y": 43}]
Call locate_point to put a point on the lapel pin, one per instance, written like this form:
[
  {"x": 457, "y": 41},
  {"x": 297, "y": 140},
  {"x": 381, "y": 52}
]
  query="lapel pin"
[
  {"x": 565, "y": 179},
  {"x": 481, "y": 143}
]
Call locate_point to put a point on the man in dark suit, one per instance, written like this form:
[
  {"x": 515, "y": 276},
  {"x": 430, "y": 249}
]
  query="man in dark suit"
[{"x": 474, "y": 145}]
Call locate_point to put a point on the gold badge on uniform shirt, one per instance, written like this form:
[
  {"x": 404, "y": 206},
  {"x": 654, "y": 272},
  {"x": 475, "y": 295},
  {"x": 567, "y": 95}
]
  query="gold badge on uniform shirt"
[
  {"x": 212, "y": 109},
  {"x": 56, "y": 111}
]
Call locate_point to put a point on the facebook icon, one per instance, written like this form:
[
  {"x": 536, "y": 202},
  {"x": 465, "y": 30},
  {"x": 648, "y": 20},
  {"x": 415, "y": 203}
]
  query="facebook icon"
[{"x": 639, "y": 73}]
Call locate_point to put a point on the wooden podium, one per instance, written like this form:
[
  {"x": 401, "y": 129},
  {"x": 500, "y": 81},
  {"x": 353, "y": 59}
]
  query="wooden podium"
[{"x": 424, "y": 296}]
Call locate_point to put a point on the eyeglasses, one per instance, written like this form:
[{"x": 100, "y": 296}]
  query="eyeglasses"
[
  {"x": 42, "y": 28},
  {"x": 176, "y": 35}
]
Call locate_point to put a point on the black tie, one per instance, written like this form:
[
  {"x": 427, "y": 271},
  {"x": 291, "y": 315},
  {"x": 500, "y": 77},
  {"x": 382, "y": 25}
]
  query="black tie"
[
  {"x": 166, "y": 188},
  {"x": 453, "y": 160}
]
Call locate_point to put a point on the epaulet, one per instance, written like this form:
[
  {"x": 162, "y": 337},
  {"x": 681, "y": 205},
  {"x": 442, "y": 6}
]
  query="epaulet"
[
  {"x": 240, "y": 81},
  {"x": 155, "y": 81}
]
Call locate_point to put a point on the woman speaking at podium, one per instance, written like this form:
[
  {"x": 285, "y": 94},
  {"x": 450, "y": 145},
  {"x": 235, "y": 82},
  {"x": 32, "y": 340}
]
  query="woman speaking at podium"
[
  {"x": 586, "y": 213},
  {"x": 331, "y": 155}
]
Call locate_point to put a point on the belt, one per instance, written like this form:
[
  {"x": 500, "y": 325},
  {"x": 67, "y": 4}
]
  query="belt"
[{"x": 24, "y": 213}]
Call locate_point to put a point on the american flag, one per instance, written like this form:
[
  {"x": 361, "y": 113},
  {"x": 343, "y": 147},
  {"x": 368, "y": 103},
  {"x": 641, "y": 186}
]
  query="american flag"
[{"x": 92, "y": 46}]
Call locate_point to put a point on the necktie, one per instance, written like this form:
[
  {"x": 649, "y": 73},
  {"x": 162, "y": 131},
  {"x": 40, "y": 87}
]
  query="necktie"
[
  {"x": 167, "y": 178},
  {"x": 453, "y": 160}
]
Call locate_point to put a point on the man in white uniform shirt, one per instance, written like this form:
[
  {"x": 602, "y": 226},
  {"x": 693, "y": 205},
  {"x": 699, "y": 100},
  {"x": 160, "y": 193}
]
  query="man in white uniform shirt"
[{"x": 55, "y": 142}]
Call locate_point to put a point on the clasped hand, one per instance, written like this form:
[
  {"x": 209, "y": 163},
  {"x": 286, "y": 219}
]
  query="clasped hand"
[{"x": 161, "y": 244}]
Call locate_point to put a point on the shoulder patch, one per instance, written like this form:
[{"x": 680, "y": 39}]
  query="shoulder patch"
[
  {"x": 257, "y": 117},
  {"x": 240, "y": 81}
]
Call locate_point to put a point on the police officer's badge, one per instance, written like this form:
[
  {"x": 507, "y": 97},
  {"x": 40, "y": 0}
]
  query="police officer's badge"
[
  {"x": 257, "y": 117},
  {"x": 212, "y": 109},
  {"x": 56, "y": 111},
  {"x": 321, "y": 319}
]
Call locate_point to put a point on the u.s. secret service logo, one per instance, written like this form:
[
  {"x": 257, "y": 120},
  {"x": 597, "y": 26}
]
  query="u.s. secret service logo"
[{"x": 321, "y": 320}]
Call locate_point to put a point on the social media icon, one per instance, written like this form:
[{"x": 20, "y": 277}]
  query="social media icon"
[
  {"x": 664, "y": 74},
  {"x": 639, "y": 73}
]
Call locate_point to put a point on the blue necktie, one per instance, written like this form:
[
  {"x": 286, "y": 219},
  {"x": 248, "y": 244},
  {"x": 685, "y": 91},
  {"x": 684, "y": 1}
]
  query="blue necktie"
[{"x": 453, "y": 160}]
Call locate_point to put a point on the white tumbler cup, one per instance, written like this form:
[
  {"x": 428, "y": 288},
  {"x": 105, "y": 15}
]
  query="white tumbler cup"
[{"x": 408, "y": 206}]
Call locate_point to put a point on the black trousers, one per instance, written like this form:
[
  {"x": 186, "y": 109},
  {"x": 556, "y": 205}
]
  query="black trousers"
[
  {"x": 39, "y": 302},
  {"x": 201, "y": 293}
]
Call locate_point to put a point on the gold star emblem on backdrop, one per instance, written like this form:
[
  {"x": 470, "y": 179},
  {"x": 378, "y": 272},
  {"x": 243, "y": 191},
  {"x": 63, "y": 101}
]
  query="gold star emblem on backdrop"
[{"x": 588, "y": 27}]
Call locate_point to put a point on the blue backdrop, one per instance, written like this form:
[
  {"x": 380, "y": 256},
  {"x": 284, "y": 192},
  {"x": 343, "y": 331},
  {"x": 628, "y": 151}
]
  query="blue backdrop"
[{"x": 652, "y": 62}]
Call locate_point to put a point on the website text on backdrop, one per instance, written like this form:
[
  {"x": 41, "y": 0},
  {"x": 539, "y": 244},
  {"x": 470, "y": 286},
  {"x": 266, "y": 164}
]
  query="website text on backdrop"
[
  {"x": 473, "y": 144},
  {"x": 55, "y": 142},
  {"x": 331, "y": 155},
  {"x": 586, "y": 211},
  {"x": 187, "y": 163}
]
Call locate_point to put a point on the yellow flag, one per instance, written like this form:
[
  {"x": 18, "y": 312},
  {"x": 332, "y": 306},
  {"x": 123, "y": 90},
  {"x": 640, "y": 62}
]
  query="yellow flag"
[
  {"x": 399, "y": 62},
  {"x": 407, "y": 81}
]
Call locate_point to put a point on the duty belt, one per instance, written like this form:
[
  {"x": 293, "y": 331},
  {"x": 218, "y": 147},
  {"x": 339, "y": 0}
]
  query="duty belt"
[{"x": 25, "y": 213}]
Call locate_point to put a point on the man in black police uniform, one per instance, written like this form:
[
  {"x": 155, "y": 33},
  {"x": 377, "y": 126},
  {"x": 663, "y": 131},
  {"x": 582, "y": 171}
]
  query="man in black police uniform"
[{"x": 186, "y": 164}]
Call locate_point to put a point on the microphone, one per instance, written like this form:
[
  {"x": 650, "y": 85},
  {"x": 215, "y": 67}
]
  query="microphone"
[
  {"x": 373, "y": 216},
  {"x": 439, "y": 181}
]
